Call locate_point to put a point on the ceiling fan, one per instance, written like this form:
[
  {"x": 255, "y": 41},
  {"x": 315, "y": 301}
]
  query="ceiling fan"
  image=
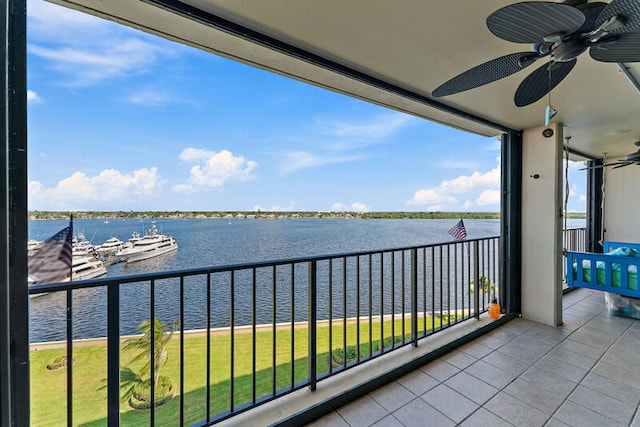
[
  {"x": 559, "y": 32},
  {"x": 630, "y": 159}
]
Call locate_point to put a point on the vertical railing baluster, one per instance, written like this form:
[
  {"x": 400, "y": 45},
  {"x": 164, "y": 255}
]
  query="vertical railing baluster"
[
  {"x": 69, "y": 358},
  {"x": 455, "y": 282},
  {"x": 181, "y": 350},
  {"x": 370, "y": 308},
  {"x": 274, "y": 322},
  {"x": 424, "y": 290},
  {"x": 483, "y": 272},
  {"x": 330, "y": 315},
  {"x": 253, "y": 333},
  {"x": 232, "y": 341},
  {"x": 414, "y": 297},
  {"x": 293, "y": 325},
  {"x": 381, "y": 302},
  {"x": 208, "y": 327},
  {"x": 358, "y": 308},
  {"x": 113, "y": 354},
  {"x": 152, "y": 316},
  {"x": 403, "y": 294},
  {"x": 448, "y": 285},
  {"x": 441, "y": 296},
  {"x": 344, "y": 312},
  {"x": 469, "y": 277},
  {"x": 462, "y": 282},
  {"x": 393, "y": 299},
  {"x": 476, "y": 280},
  {"x": 311, "y": 316},
  {"x": 433, "y": 289}
]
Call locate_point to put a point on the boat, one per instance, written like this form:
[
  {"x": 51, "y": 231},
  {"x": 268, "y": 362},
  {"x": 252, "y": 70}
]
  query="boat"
[
  {"x": 148, "y": 246},
  {"x": 109, "y": 247},
  {"x": 82, "y": 246},
  {"x": 87, "y": 267}
]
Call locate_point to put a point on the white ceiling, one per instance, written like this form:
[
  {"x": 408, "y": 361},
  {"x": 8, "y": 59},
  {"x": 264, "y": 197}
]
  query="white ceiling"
[{"x": 413, "y": 44}]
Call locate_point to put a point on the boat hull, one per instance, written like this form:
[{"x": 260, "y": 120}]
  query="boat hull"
[{"x": 128, "y": 257}]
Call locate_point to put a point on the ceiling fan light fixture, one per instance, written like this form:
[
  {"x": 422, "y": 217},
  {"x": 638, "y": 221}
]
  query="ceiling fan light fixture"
[{"x": 568, "y": 51}]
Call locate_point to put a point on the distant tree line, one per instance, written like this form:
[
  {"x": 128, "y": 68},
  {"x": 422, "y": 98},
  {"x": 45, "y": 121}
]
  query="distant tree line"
[{"x": 40, "y": 215}]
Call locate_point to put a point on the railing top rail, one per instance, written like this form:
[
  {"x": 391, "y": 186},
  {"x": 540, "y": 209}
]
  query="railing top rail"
[{"x": 146, "y": 277}]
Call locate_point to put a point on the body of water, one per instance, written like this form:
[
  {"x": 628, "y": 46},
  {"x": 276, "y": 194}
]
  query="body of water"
[{"x": 215, "y": 242}]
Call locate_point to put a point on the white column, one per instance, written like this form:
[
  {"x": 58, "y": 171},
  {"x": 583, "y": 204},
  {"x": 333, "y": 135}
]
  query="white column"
[{"x": 542, "y": 225}]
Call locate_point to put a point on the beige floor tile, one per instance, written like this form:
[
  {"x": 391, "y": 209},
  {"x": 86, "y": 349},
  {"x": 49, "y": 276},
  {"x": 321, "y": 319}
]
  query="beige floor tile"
[
  {"x": 515, "y": 411},
  {"x": 392, "y": 396},
  {"x": 449, "y": 402},
  {"x": 420, "y": 413},
  {"x": 363, "y": 412},
  {"x": 484, "y": 418},
  {"x": 471, "y": 387}
]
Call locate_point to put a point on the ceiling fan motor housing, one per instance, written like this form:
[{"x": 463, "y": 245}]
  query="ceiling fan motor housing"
[{"x": 569, "y": 50}]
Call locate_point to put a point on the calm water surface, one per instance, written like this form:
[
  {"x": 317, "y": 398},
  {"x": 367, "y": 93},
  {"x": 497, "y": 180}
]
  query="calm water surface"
[{"x": 214, "y": 242}]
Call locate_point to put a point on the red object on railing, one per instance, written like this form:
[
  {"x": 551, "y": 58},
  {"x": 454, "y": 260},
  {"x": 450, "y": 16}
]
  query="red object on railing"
[{"x": 494, "y": 309}]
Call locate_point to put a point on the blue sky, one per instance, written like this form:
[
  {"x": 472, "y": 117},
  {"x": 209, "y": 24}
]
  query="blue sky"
[{"x": 122, "y": 120}]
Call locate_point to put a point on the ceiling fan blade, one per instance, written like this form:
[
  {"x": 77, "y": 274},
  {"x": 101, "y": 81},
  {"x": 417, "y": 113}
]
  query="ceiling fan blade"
[
  {"x": 622, "y": 48},
  {"x": 622, "y": 164},
  {"x": 538, "y": 84},
  {"x": 616, "y": 164},
  {"x": 628, "y": 9},
  {"x": 488, "y": 72},
  {"x": 591, "y": 12},
  {"x": 530, "y": 22}
]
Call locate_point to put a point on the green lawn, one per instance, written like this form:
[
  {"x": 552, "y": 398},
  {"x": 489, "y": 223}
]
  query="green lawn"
[{"x": 48, "y": 387}]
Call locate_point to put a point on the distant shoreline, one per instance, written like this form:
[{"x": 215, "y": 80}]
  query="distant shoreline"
[{"x": 49, "y": 215}]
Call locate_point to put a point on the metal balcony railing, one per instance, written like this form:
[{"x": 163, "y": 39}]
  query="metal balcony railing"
[
  {"x": 269, "y": 328},
  {"x": 574, "y": 240}
]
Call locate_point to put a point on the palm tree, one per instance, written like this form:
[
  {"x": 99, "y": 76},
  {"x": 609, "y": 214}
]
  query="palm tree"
[{"x": 161, "y": 338}]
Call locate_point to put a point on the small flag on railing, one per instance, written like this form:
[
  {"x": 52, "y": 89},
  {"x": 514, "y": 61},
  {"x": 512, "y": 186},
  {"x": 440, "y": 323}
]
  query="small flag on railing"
[
  {"x": 458, "y": 231},
  {"x": 52, "y": 262}
]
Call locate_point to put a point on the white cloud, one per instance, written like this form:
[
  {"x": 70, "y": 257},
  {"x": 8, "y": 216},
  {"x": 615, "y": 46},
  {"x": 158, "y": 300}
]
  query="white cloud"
[
  {"x": 88, "y": 66},
  {"x": 374, "y": 129},
  {"x": 88, "y": 50},
  {"x": 33, "y": 98},
  {"x": 297, "y": 160},
  {"x": 214, "y": 169},
  {"x": 488, "y": 197},
  {"x": 353, "y": 207},
  {"x": 431, "y": 195},
  {"x": 79, "y": 191},
  {"x": 477, "y": 190},
  {"x": 151, "y": 97}
]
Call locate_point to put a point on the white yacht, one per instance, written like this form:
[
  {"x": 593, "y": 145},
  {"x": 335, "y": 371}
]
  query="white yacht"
[
  {"x": 87, "y": 267},
  {"x": 148, "y": 246},
  {"x": 109, "y": 247},
  {"x": 82, "y": 246}
]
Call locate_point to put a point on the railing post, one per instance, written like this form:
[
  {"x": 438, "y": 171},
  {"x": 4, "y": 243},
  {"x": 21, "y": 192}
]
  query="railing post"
[
  {"x": 313, "y": 303},
  {"x": 476, "y": 280},
  {"x": 414, "y": 297},
  {"x": 113, "y": 355}
]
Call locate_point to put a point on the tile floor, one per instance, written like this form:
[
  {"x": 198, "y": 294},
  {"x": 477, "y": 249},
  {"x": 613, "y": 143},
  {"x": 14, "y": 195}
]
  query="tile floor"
[{"x": 584, "y": 373}]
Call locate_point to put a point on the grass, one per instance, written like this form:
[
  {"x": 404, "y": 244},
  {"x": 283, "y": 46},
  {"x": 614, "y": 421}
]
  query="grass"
[{"x": 48, "y": 387}]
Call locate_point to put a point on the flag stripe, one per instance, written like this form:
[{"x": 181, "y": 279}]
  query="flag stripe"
[
  {"x": 458, "y": 231},
  {"x": 53, "y": 261}
]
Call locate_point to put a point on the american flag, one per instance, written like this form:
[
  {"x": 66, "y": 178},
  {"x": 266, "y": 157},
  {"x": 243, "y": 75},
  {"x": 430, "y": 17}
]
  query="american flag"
[
  {"x": 52, "y": 262},
  {"x": 458, "y": 231}
]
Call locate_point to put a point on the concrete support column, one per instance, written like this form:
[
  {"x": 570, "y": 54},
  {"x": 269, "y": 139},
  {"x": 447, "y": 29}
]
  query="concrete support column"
[{"x": 542, "y": 224}]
